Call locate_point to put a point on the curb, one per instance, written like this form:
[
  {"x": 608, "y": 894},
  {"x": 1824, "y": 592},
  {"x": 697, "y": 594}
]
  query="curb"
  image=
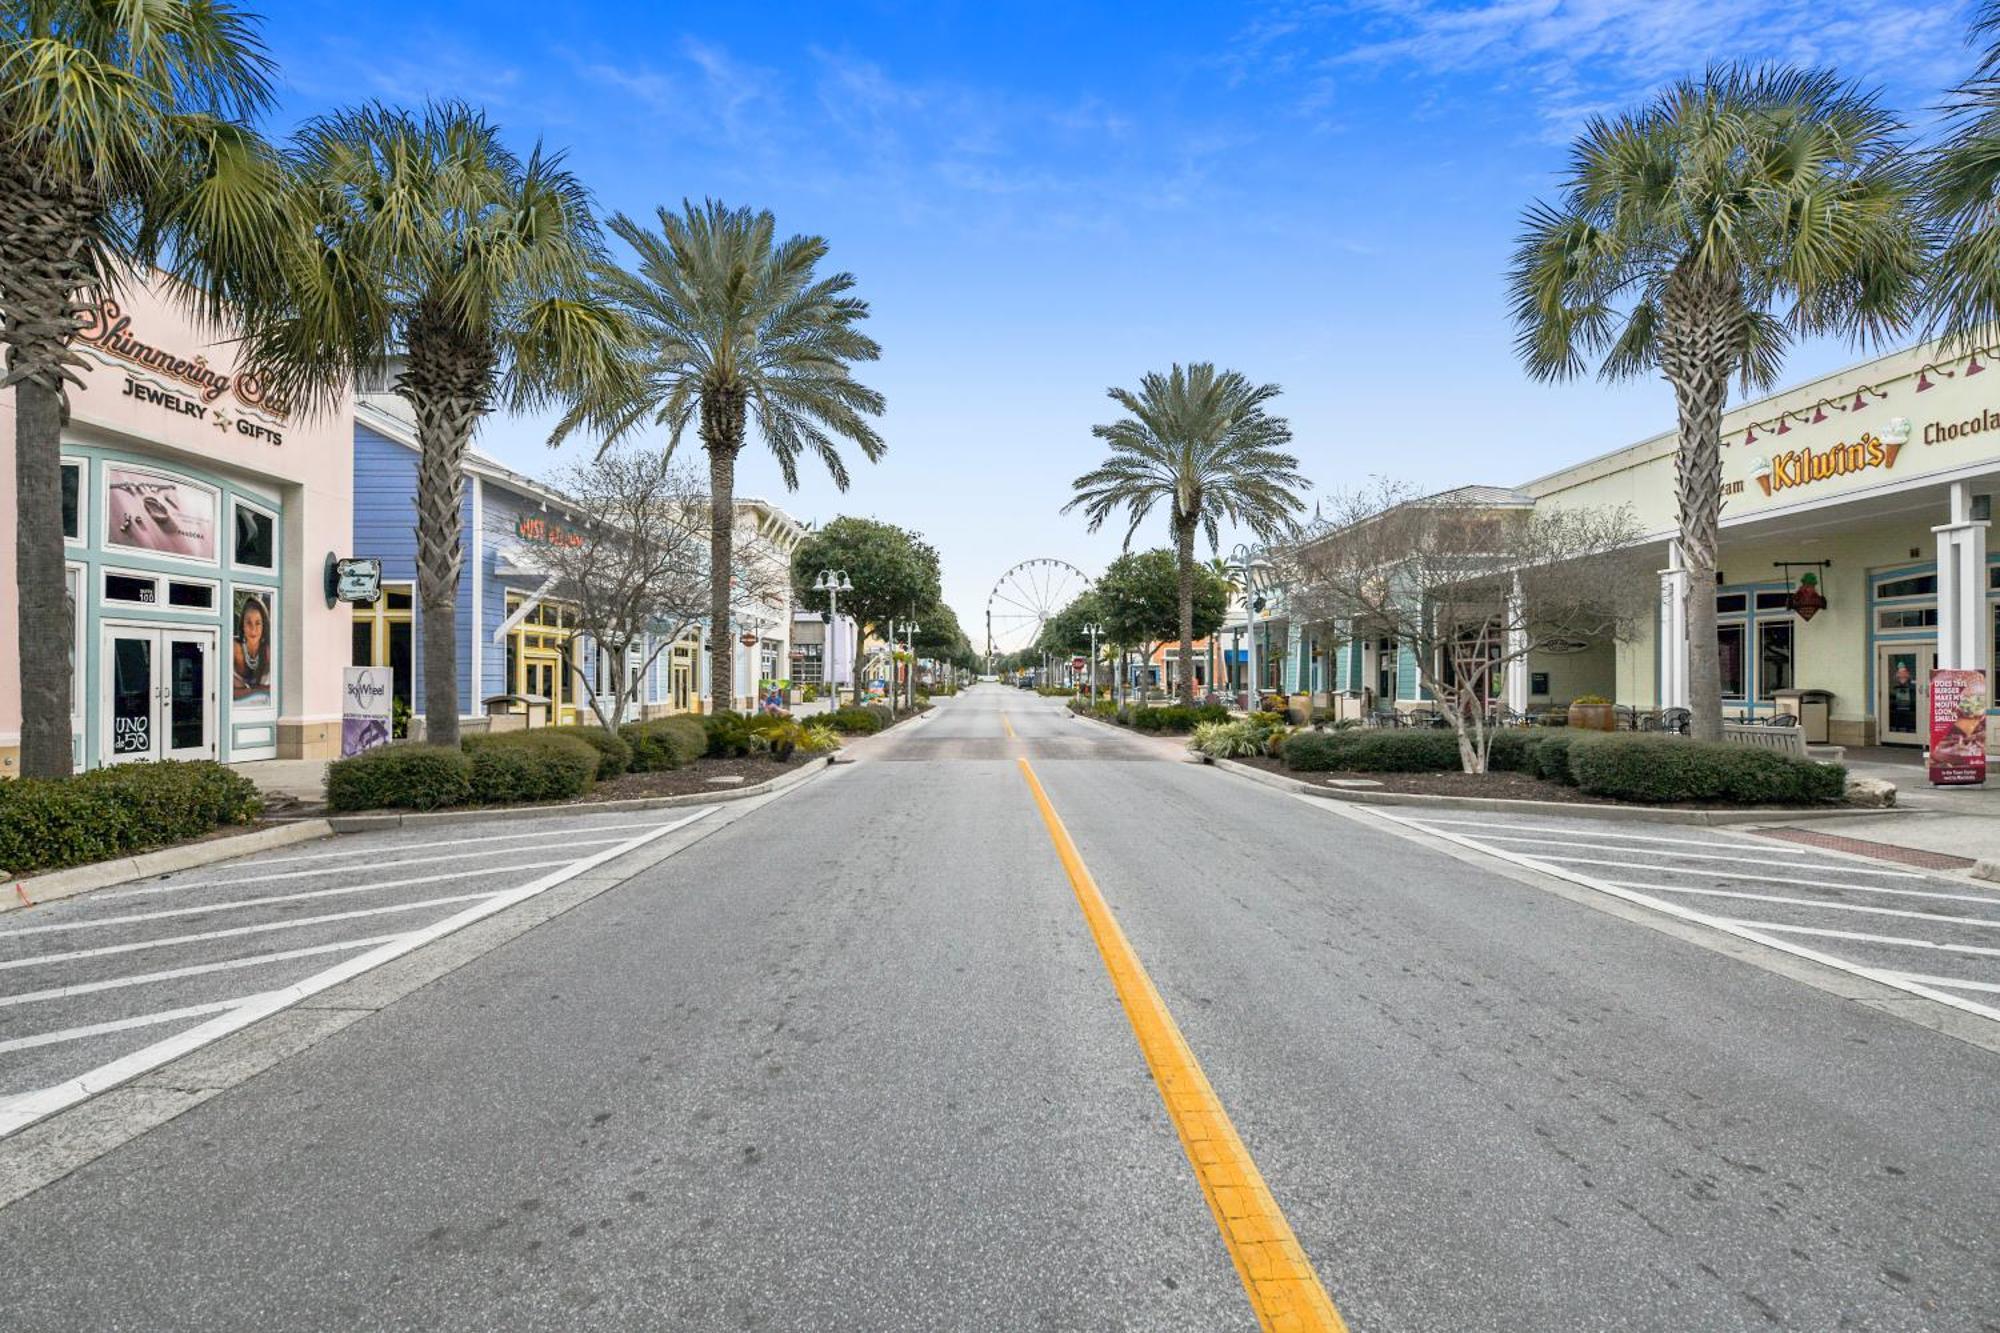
[
  {"x": 1985, "y": 868},
  {"x": 435, "y": 818},
  {"x": 1641, "y": 814},
  {"x": 60, "y": 884}
]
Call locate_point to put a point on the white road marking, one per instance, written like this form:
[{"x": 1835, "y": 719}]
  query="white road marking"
[
  {"x": 1422, "y": 820},
  {"x": 1885, "y": 889},
  {"x": 1895, "y": 980},
  {"x": 466, "y": 842},
  {"x": 1656, "y": 867},
  {"x": 1957, "y": 983},
  {"x": 165, "y": 941},
  {"x": 1848, "y": 867},
  {"x": 1862, "y": 937},
  {"x": 24, "y": 1110},
  {"x": 249, "y": 880},
  {"x": 198, "y": 969},
  {"x": 1988, "y": 922},
  {"x": 123, "y": 1024},
  {"x": 209, "y": 908}
]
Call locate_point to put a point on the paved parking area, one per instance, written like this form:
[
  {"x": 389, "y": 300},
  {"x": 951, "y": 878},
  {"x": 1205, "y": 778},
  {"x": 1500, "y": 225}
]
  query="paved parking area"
[
  {"x": 1933, "y": 935},
  {"x": 98, "y": 988}
]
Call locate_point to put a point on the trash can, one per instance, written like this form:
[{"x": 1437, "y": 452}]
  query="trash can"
[
  {"x": 534, "y": 707},
  {"x": 1812, "y": 708}
]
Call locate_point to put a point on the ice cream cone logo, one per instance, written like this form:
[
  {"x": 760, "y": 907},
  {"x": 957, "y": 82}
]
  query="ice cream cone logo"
[{"x": 1761, "y": 470}]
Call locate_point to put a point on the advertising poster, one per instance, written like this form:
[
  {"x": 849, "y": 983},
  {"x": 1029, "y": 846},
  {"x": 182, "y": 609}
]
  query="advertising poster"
[
  {"x": 365, "y": 710},
  {"x": 1958, "y": 728},
  {"x": 250, "y": 656},
  {"x": 147, "y": 512}
]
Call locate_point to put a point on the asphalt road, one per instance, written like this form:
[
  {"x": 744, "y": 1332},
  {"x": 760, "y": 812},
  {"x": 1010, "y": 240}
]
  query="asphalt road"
[{"x": 854, "y": 1061}]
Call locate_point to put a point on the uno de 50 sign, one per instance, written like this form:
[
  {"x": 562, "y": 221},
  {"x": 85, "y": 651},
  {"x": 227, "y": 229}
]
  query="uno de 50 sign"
[{"x": 1802, "y": 467}]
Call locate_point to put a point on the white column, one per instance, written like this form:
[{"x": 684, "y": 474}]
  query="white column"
[
  {"x": 1673, "y": 630},
  {"x": 1962, "y": 637},
  {"x": 479, "y": 595},
  {"x": 1516, "y": 649}
]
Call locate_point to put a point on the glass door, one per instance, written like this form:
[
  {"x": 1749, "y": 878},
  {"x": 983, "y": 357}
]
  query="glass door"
[
  {"x": 1902, "y": 687},
  {"x": 187, "y": 724},
  {"x": 131, "y": 699}
]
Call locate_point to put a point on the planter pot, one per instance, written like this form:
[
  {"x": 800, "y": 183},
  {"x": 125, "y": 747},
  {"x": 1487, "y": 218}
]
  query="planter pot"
[{"x": 1593, "y": 717}]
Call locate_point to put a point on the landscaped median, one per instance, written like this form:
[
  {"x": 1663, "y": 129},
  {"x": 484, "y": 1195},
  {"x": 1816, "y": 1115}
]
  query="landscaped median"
[{"x": 1531, "y": 764}]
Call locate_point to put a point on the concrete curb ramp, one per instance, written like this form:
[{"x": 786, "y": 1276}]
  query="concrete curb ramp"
[
  {"x": 103, "y": 874},
  {"x": 1643, "y": 814}
]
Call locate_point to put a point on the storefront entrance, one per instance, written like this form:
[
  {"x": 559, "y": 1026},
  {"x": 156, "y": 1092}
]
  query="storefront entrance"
[
  {"x": 680, "y": 678},
  {"x": 1902, "y": 687},
  {"x": 161, "y": 698}
]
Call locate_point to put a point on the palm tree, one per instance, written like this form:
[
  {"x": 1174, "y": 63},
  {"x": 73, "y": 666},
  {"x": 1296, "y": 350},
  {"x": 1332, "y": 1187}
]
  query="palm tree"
[
  {"x": 1964, "y": 181},
  {"x": 1203, "y": 442},
  {"x": 419, "y": 236},
  {"x": 125, "y": 143},
  {"x": 732, "y": 326},
  {"x": 1696, "y": 238}
]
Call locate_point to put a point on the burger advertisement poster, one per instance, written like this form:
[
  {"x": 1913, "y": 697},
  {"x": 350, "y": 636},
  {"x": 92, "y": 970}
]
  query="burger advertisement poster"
[{"x": 1958, "y": 728}]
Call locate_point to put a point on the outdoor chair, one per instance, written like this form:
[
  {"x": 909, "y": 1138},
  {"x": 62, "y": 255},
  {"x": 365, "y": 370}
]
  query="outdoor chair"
[
  {"x": 1625, "y": 717},
  {"x": 1675, "y": 720},
  {"x": 1782, "y": 720}
]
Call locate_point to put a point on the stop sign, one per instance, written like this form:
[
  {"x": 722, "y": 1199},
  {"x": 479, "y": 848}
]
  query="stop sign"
[{"x": 1078, "y": 663}]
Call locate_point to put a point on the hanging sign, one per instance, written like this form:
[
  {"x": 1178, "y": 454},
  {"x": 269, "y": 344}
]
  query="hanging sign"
[
  {"x": 365, "y": 710},
  {"x": 1958, "y": 729},
  {"x": 356, "y": 580}
]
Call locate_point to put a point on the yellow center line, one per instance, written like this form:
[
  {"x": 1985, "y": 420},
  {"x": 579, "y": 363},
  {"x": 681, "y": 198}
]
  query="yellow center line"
[
  {"x": 1007, "y": 726},
  {"x": 1284, "y": 1291}
]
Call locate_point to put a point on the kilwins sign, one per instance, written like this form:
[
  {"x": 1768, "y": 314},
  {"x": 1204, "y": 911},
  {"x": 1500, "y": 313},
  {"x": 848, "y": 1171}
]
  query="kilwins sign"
[
  {"x": 184, "y": 386},
  {"x": 1803, "y": 467}
]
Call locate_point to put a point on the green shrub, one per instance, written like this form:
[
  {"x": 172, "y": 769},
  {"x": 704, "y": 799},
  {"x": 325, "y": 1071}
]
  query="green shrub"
[
  {"x": 817, "y": 738},
  {"x": 728, "y": 735},
  {"x": 1427, "y": 751},
  {"x": 856, "y": 720},
  {"x": 614, "y": 752},
  {"x": 1550, "y": 754},
  {"x": 1318, "y": 751},
  {"x": 49, "y": 823},
  {"x": 665, "y": 743},
  {"x": 1179, "y": 717},
  {"x": 1226, "y": 740},
  {"x": 400, "y": 777},
  {"x": 539, "y": 765},
  {"x": 1510, "y": 750},
  {"x": 1671, "y": 768}
]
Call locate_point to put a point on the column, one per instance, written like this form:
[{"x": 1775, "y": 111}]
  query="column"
[
  {"x": 1673, "y": 630},
  {"x": 1962, "y": 636},
  {"x": 1515, "y": 648}
]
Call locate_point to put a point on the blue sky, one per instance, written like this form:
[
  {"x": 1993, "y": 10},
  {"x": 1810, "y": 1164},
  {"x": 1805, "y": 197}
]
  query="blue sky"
[{"x": 1041, "y": 201}]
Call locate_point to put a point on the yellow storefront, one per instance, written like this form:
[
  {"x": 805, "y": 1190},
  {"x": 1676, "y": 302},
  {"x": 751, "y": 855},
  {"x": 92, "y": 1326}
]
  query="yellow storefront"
[{"x": 539, "y": 651}]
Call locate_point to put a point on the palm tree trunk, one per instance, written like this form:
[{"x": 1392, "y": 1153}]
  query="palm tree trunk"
[
  {"x": 1701, "y": 342},
  {"x": 1184, "y": 578},
  {"x": 45, "y": 617},
  {"x": 722, "y": 422},
  {"x": 448, "y": 384},
  {"x": 45, "y": 275}
]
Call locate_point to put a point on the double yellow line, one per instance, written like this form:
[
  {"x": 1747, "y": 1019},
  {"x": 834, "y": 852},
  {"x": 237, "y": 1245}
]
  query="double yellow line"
[{"x": 1283, "y": 1289}]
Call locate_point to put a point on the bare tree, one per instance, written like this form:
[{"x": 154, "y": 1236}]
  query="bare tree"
[
  {"x": 1473, "y": 583},
  {"x": 628, "y": 560}
]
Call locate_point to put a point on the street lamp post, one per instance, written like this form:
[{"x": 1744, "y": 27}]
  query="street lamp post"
[
  {"x": 833, "y": 582},
  {"x": 910, "y": 629},
  {"x": 1093, "y": 630},
  {"x": 1250, "y": 559}
]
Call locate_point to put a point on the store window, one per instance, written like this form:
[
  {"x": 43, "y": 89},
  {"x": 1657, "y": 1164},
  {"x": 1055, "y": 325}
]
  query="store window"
[
  {"x": 253, "y": 649},
  {"x": 256, "y": 538},
  {"x": 808, "y": 664},
  {"x": 1907, "y": 617},
  {"x": 1729, "y": 653},
  {"x": 73, "y": 585},
  {"x": 1914, "y": 585},
  {"x": 131, "y": 589},
  {"x": 384, "y": 636},
  {"x": 1774, "y": 657}
]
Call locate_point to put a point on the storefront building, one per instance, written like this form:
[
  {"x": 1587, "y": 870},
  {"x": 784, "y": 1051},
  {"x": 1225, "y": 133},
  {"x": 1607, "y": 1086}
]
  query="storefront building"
[
  {"x": 513, "y": 640},
  {"x": 198, "y": 518},
  {"x": 1853, "y": 559}
]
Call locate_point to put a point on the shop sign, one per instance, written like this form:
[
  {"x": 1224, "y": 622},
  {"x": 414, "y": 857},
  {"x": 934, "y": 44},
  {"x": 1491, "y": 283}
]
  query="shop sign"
[
  {"x": 356, "y": 580},
  {"x": 531, "y": 529},
  {"x": 1958, "y": 729},
  {"x": 365, "y": 710},
  {"x": 108, "y": 329},
  {"x": 1802, "y": 467},
  {"x": 1943, "y": 432}
]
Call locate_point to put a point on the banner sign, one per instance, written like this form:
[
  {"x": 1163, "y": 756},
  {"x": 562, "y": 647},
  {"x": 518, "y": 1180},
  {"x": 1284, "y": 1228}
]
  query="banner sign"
[
  {"x": 1958, "y": 728},
  {"x": 365, "y": 710}
]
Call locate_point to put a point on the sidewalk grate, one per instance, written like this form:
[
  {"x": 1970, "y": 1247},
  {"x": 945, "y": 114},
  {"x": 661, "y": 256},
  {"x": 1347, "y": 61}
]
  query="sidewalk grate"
[{"x": 1881, "y": 851}]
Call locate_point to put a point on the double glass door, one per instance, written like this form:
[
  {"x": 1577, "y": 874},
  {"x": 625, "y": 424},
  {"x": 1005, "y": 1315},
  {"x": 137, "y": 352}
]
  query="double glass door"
[{"x": 159, "y": 694}]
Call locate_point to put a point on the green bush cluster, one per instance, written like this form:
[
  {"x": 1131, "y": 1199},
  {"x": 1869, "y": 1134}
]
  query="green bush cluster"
[
  {"x": 1176, "y": 718},
  {"x": 858, "y": 719},
  {"x": 1227, "y": 740},
  {"x": 728, "y": 735},
  {"x": 539, "y": 765},
  {"x": 1671, "y": 768},
  {"x": 400, "y": 777},
  {"x": 663, "y": 744},
  {"x": 49, "y": 823},
  {"x": 1548, "y": 755},
  {"x": 614, "y": 752}
]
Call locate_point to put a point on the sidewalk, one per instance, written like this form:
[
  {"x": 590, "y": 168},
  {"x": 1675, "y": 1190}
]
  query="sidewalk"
[
  {"x": 298, "y": 779},
  {"x": 1962, "y": 822}
]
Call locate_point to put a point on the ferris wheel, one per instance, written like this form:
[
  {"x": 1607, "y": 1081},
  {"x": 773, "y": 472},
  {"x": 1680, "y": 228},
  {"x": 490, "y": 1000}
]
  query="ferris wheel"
[{"x": 1025, "y": 597}]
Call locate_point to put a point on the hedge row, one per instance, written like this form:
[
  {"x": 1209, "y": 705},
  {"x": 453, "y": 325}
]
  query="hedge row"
[
  {"x": 49, "y": 823},
  {"x": 1626, "y": 767},
  {"x": 664, "y": 743},
  {"x": 540, "y": 765},
  {"x": 859, "y": 720}
]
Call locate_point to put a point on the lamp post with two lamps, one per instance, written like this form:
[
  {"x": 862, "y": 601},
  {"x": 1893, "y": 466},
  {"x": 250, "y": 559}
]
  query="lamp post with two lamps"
[
  {"x": 1252, "y": 561},
  {"x": 833, "y": 582}
]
